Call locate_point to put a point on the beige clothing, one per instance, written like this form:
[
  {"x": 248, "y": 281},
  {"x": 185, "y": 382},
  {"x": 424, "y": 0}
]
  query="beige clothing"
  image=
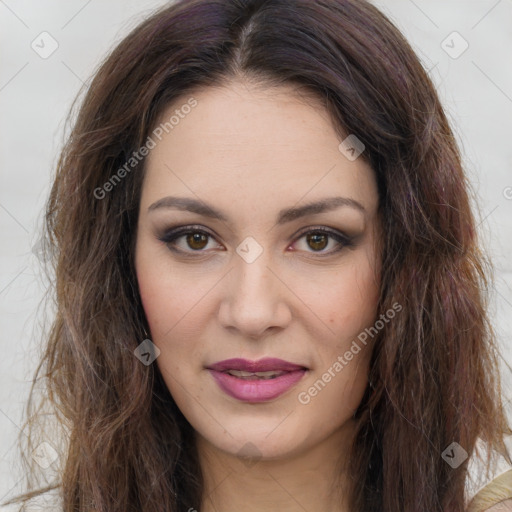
[{"x": 484, "y": 489}]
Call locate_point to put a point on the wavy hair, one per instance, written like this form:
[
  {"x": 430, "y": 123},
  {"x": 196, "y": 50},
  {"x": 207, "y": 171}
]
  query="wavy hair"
[{"x": 434, "y": 369}]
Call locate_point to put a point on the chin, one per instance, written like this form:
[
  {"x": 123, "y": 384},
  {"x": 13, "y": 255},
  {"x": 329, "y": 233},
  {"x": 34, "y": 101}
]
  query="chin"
[{"x": 260, "y": 439}]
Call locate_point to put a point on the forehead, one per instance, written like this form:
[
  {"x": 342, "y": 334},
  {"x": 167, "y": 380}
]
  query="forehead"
[
  {"x": 242, "y": 119},
  {"x": 261, "y": 146}
]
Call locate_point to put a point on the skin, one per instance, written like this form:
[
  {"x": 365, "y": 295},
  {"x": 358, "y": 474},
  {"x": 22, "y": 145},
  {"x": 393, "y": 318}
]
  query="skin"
[{"x": 252, "y": 152}]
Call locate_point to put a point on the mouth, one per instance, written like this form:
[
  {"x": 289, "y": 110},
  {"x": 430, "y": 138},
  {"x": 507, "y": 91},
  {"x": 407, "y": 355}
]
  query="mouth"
[
  {"x": 256, "y": 381},
  {"x": 255, "y": 375},
  {"x": 265, "y": 365}
]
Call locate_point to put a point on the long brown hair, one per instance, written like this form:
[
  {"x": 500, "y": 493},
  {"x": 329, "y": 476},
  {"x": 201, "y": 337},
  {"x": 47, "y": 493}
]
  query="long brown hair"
[{"x": 434, "y": 372}]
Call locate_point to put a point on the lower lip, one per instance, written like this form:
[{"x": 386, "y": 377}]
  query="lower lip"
[{"x": 257, "y": 390}]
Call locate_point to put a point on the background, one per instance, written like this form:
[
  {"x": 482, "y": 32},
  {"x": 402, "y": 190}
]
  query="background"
[{"x": 50, "y": 49}]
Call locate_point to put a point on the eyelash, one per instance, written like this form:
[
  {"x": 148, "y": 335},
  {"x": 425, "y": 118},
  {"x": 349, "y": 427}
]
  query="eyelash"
[{"x": 171, "y": 235}]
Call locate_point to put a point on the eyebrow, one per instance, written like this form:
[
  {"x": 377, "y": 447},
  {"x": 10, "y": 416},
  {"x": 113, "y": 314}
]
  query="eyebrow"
[{"x": 284, "y": 216}]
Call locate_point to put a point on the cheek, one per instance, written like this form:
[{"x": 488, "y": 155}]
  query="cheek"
[
  {"x": 168, "y": 314},
  {"x": 159, "y": 306},
  {"x": 359, "y": 290},
  {"x": 344, "y": 300},
  {"x": 177, "y": 308},
  {"x": 343, "y": 356},
  {"x": 169, "y": 298}
]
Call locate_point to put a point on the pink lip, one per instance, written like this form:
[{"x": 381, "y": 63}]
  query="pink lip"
[
  {"x": 256, "y": 390},
  {"x": 263, "y": 365}
]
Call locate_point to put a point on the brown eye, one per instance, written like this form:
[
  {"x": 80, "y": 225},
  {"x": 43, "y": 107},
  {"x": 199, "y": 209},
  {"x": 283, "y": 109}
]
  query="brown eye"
[
  {"x": 317, "y": 241},
  {"x": 188, "y": 239},
  {"x": 197, "y": 241}
]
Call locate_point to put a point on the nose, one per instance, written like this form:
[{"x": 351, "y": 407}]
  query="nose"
[{"x": 255, "y": 301}]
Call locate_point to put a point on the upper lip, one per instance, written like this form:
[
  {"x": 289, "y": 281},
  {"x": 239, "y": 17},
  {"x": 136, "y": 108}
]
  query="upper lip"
[{"x": 263, "y": 365}]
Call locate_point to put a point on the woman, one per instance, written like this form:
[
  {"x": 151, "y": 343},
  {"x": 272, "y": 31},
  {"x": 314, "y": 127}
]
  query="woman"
[{"x": 268, "y": 280}]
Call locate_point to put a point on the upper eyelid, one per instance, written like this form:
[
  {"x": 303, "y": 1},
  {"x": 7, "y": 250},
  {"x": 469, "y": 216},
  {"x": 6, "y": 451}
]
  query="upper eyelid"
[{"x": 179, "y": 231}]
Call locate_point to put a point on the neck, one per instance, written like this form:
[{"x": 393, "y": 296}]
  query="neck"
[{"x": 313, "y": 479}]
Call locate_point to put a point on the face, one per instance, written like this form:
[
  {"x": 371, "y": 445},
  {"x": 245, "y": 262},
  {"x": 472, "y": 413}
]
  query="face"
[{"x": 233, "y": 262}]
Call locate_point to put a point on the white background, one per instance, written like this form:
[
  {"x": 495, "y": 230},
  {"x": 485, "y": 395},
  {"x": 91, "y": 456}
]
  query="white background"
[{"x": 36, "y": 94}]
